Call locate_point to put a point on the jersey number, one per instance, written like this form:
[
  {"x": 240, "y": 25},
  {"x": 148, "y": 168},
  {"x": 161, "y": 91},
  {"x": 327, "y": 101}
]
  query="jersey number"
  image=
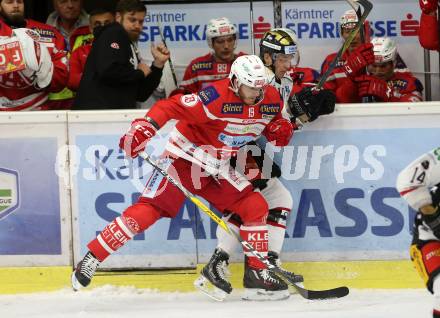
[
  {"x": 251, "y": 112},
  {"x": 420, "y": 178}
]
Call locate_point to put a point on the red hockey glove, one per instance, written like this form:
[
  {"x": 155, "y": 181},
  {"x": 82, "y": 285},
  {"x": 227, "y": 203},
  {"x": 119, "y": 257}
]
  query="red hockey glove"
[
  {"x": 134, "y": 141},
  {"x": 372, "y": 86},
  {"x": 428, "y": 6},
  {"x": 280, "y": 131},
  {"x": 362, "y": 56}
]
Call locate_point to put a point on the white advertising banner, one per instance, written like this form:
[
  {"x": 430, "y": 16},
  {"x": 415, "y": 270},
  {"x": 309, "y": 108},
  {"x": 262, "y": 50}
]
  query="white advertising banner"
[
  {"x": 317, "y": 25},
  {"x": 315, "y": 22},
  {"x": 183, "y": 27}
]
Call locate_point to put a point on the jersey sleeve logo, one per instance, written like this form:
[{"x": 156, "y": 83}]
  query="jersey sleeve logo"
[
  {"x": 189, "y": 100},
  {"x": 208, "y": 95}
]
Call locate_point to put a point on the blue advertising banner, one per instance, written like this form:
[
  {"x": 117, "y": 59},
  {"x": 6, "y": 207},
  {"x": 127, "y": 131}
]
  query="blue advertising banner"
[
  {"x": 340, "y": 170},
  {"x": 343, "y": 185},
  {"x": 29, "y": 197}
]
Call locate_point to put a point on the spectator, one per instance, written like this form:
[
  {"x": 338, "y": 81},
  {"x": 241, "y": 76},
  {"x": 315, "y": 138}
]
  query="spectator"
[
  {"x": 221, "y": 36},
  {"x": 46, "y": 62},
  {"x": 70, "y": 20},
  {"x": 114, "y": 77},
  {"x": 352, "y": 63},
  {"x": 384, "y": 83},
  {"x": 67, "y": 17},
  {"x": 428, "y": 32},
  {"x": 83, "y": 45}
]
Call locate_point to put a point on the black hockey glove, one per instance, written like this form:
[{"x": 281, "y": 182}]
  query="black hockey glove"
[
  {"x": 435, "y": 195},
  {"x": 433, "y": 220},
  {"x": 312, "y": 103}
]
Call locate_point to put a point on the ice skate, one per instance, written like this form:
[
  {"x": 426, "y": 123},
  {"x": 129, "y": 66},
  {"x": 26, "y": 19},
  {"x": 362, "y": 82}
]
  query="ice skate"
[
  {"x": 262, "y": 284},
  {"x": 274, "y": 259},
  {"x": 84, "y": 271},
  {"x": 213, "y": 280}
]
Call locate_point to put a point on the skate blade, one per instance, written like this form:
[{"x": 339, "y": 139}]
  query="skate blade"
[
  {"x": 256, "y": 294},
  {"x": 206, "y": 287},
  {"x": 76, "y": 286}
]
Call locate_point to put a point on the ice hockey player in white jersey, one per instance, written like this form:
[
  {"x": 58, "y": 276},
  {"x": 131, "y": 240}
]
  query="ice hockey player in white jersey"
[
  {"x": 279, "y": 52},
  {"x": 419, "y": 185}
]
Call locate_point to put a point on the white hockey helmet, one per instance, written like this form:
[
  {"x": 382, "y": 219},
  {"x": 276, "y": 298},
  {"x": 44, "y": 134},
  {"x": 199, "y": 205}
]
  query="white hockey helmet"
[
  {"x": 248, "y": 70},
  {"x": 349, "y": 19},
  {"x": 219, "y": 27},
  {"x": 384, "y": 49}
]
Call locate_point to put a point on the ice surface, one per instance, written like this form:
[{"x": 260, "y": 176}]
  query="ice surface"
[{"x": 110, "y": 301}]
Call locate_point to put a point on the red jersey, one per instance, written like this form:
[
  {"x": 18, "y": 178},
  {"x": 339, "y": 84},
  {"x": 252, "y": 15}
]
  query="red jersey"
[
  {"x": 428, "y": 32},
  {"x": 338, "y": 82},
  {"x": 216, "y": 120},
  {"x": 77, "y": 63},
  {"x": 15, "y": 93},
  {"x": 204, "y": 70},
  {"x": 405, "y": 87}
]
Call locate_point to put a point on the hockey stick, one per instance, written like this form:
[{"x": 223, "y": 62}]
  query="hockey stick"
[
  {"x": 356, "y": 5},
  {"x": 367, "y": 9},
  {"x": 173, "y": 71},
  {"x": 357, "y": 8},
  {"x": 251, "y": 18},
  {"x": 306, "y": 293}
]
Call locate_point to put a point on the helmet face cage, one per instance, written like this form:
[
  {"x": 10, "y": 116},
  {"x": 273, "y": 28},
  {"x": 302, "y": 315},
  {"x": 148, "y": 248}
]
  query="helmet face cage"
[
  {"x": 279, "y": 41},
  {"x": 385, "y": 50},
  {"x": 219, "y": 27},
  {"x": 248, "y": 70}
]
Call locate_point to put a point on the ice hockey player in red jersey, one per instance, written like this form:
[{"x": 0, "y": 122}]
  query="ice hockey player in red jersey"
[
  {"x": 46, "y": 62},
  {"x": 221, "y": 36},
  {"x": 419, "y": 185},
  {"x": 212, "y": 126},
  {"x": 429, "y": 30},
  {"x": 279, "y": 52},
  {"x": 352, "y": 63},
  {"x": 385, "y": 83}
]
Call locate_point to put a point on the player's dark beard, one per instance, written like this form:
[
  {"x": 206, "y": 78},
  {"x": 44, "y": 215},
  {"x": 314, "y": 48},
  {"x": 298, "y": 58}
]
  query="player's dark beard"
[{"x": 16, "y": 21}]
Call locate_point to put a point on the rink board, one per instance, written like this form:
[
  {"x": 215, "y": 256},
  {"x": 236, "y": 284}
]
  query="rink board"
[
  {"x": 317, "y": 275},
  {"x": 345, "y": 211}
]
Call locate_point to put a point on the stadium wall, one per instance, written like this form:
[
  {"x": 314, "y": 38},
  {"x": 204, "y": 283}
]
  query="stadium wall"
[{"x": 63, "y": 178}]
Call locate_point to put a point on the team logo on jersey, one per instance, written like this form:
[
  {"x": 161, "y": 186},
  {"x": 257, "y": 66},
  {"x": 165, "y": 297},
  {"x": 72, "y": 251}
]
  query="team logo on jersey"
[
  {"x": 232, "y": 108},
  {"x": 222, "y": 68},
  {"x": 270, "y": 109},
  {"x": 399, "y": 83},
  {"x": 189, "y": 100},
  {"x": 208, "y": 95},
  {"x": 115, "y": 46},
  {"x": 9, "y": 192},
  {"x": 201, "y": 66}
]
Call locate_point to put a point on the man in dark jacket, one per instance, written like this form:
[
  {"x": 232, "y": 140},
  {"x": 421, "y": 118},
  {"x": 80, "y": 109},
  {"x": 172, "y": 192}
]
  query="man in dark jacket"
[{"x": 114, "y": 76}]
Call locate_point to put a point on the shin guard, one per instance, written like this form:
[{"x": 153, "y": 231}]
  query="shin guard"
[
  {"x": 257, "y": 236},
  {"x": 135, "y": 219}
]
